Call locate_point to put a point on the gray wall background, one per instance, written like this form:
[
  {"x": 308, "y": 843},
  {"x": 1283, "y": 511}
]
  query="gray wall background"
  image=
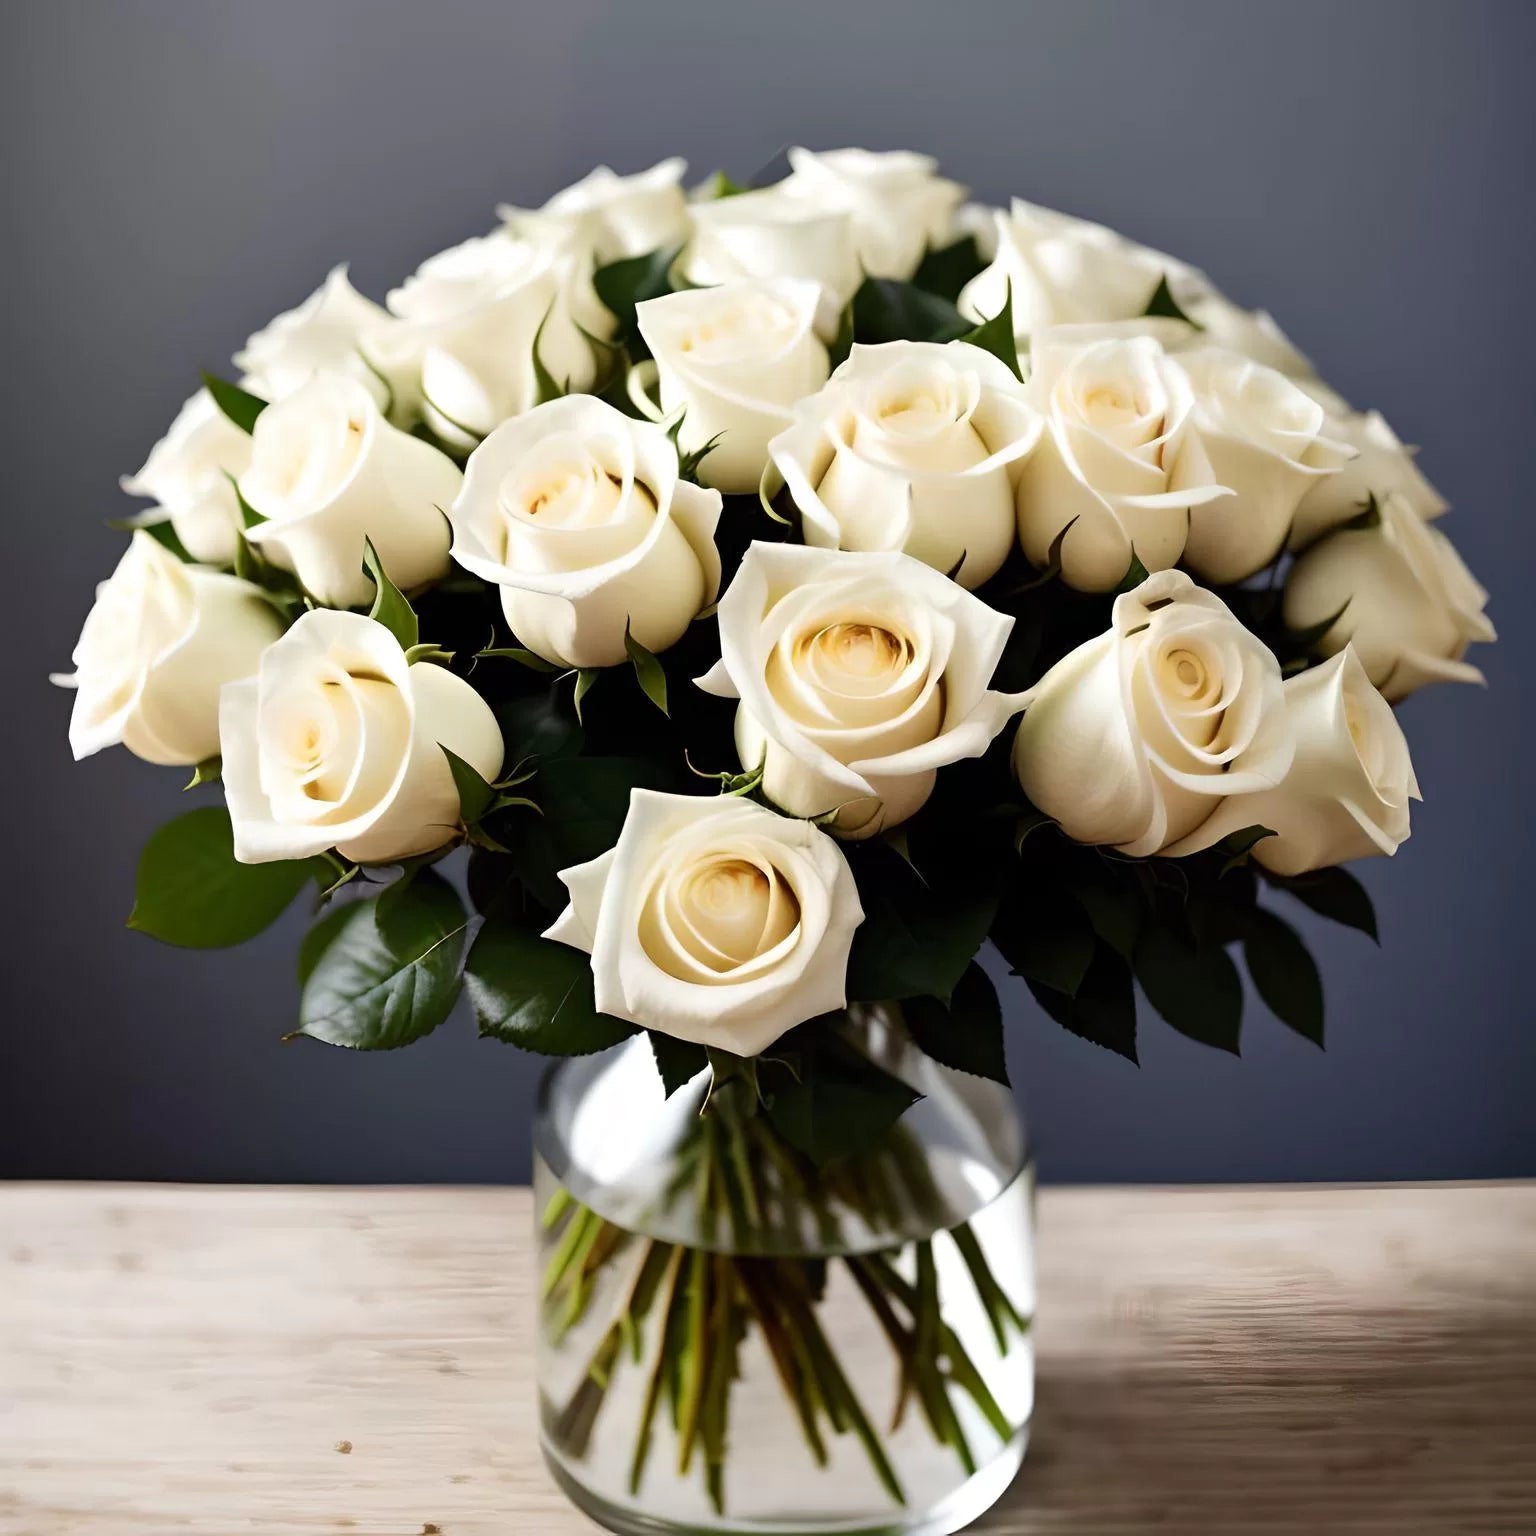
[{"x": 175, "y": 174}]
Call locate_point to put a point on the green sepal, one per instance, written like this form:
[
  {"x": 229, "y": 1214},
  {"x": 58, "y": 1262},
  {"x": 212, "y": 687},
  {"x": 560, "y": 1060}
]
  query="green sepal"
[
  {"x": 390, "y": 606},
  {"x": 586, "y": 677},
  {"x": 545, "y": 385},
  {"x": 1236, "y": 847},
  {"x": 648, "y": 671},
  {"x": 678, "y": 1061},
  {"x": 1135, "y": 573},
  {"x": 209, "y": 771},
  {"x": 525, "y": 658}
]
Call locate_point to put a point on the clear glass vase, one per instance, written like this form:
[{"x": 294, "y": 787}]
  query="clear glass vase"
[{"x": 732, "y": 1340}]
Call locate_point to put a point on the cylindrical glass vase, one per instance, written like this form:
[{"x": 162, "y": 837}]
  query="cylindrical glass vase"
[{"x": 732, "y": 1339}]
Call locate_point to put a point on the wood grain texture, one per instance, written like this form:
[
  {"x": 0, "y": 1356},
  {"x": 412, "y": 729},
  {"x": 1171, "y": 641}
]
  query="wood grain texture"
[{"x": 305, "y": 1361}]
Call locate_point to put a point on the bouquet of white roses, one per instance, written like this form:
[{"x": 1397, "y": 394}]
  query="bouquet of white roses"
[{"x": 778, "y": 593}]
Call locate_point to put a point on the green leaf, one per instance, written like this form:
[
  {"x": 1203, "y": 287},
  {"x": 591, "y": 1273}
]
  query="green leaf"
[
  {"x": 1104, "y": 1009},
  {"x": 840, "y": 1104},
  {"x": 192, "y": 892},
  {"x": 1046, "y": 941},
  {"x": 1333, "y": 893},
  {"x": 209, "y": 771},
  {"x": 678, "y": 1061},
  {"x": 1195, "y": 987},
  {"x": 1163, "y": 303},
  {"x": 475, "y": 793},
  {"x": 996, "y": 335},
  {"x": 916, "y": 940},
  {"x": 688, "y": 463},
  {"x": 164, "y": 533},
  {"x": 621, "y": 285},
  {"x": 947, "y": 269},
  {"x": 1113, "y": 901},
  {"x": 1284, "y": 973},
  {"x": 540, "y": 725},
  {"x": 375, "y": 976},
  {"x": 885, "y": 310},
  {"x": 546, "y": 386},
  {"x": 1135, "y": 574},
  {"x": 585, "y": 678},
  {"x": 1236, "y": 847},
  {"x": 968, "y": 1034},
  {"x": 249, "y": 516},
  {"x": 648, "y": 671},
  {"x": 240, "y": 405},
  {"x": 525, "y": 658},
  {"x": 534, "y": 993},
  {"x": 390, "y": 607}
]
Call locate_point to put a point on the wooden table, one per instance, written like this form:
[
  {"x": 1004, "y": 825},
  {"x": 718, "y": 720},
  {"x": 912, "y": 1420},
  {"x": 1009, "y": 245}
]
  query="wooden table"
[{"x": 276, "y": 1360}]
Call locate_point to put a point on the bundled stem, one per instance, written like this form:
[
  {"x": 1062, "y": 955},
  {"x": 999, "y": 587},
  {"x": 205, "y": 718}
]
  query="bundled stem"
[{"x": 707, "y": 1301}]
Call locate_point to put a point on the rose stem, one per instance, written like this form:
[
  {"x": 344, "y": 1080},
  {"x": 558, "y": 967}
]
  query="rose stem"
[
  {"x": 781, "y": 1352},
  {"x": 1001, "y": 1312},
  {"x": 665, "y": 1343},
  {"x": 925, "y": 1359},
  {"x": 834, "y": 1383},
  {"x": 962, "y": 1369},
  {"x": 693, "y": 1362}
]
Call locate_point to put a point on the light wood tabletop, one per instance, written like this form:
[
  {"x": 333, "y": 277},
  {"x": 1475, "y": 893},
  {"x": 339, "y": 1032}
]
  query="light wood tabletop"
[{"x": 302, "y": 1360}]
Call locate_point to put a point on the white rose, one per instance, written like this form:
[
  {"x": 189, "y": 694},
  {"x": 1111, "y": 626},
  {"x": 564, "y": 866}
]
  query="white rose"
[
  {"x": 609, "y": 217},
  {"x": 577, "y": 513},
  {"x": 898, "y": 205},
  {"x": 473, "y": 313},
  {"x": 1134, "y": 738},
  {"x": 912, "y": 446},
  {"x": 335, "y": 330},
  {"x": 734, "y": 360},
  {"x": 771, "y": 234},
  {"x": 188, "y": 473},
  {"x": 1381, "y": 467},
  {"x": 1062, "y": 270},
  {"x": 860, "y": 676},
  {"x": 328, "y": 472},
  {"x": 337, "y": 743},
  {"x": 714, "y": 920},
  {"x": 1410, "y": 606},
  {"x": 1118, "y": 461},
  {"x": 1347, "y": 794},
  {"x": 1252, "y": 332},
  {"x": 1269, "y": 444},
  {"x": 160, "y": 642}
]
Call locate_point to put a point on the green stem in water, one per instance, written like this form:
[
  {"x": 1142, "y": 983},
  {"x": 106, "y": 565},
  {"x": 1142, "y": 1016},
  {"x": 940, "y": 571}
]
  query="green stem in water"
[{"x": 1001, "y": 1312}]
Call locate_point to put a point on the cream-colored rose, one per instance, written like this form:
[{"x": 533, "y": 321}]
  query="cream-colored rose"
[
  {"x": 860, "y": 676},
  {"x": 912, "y": 446},
  {"x": 1381, "y": 467},
  {"x": 772, "y": 234},
  {"x": 1118, "y": 467},
  {"x": 473, "y": 314},
  {"x": 188, "y": 473},
  {"x": 161, "y": 641},
  {"x": 1409, "y": 604},
  {"x": 1347, "y": 794},
  {"x": 1253, "y": 332},
  {"x": 897, "y": 203},
  {"x": 610, "y": 217},
  {"x": 1062, "y": 270},
  {"x": 335, "y": 330},
  {"x": 577, "y": 513},
  {"x": 337, "y": 743},
  {"x": 734, "y": 360},
  {"x": 329, "y": 473},
  {"x": 714, "y": 920},
  {"x": 1135, "y": 738},
  {"x": 1269, "y": 444}
]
